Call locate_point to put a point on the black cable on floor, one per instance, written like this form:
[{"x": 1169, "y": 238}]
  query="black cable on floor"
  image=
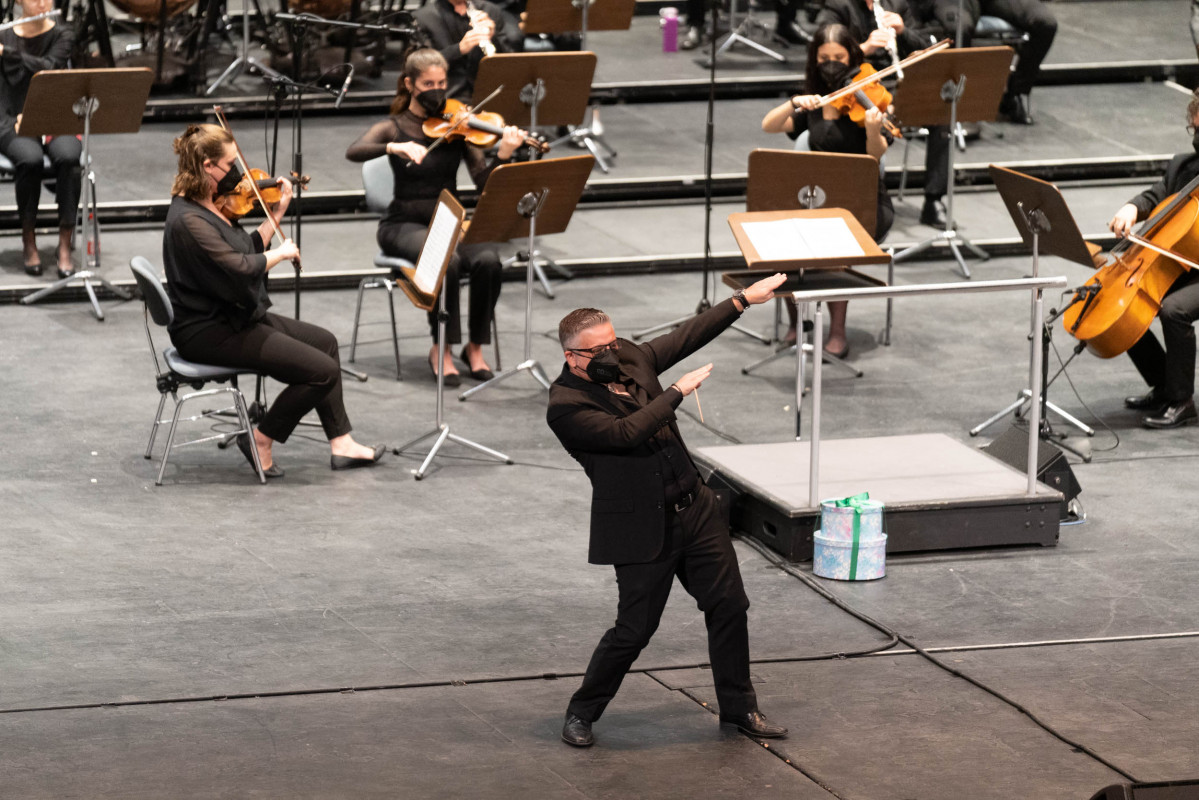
[{"x": 812, "y": 584}]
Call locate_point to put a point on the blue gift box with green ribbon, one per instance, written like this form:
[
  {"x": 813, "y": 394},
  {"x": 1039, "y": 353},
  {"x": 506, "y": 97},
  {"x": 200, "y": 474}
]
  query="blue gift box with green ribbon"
[{"x": 850, "y": 545}]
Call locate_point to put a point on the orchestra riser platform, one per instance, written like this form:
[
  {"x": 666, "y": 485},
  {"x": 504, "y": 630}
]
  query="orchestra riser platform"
[{"x": 939, "y": 494}]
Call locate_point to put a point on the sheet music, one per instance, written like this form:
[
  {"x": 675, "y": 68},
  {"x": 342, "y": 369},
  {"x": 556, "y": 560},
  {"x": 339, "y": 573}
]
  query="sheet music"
[
  {"x": 802, "y": 237},
  {"x": 441, "y": 237}
]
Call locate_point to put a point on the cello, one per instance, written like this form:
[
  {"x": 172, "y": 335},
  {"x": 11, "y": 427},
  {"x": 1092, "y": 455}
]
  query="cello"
[{"x": 1112, "y": 310}]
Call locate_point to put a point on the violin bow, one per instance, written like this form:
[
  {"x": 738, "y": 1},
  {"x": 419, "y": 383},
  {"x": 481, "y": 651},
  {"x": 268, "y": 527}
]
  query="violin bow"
[
  {"x": 245, "y": 168},
  {"x": 919, "y": 55}
]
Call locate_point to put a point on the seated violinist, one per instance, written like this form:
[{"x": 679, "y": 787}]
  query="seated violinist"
[
  {"x": 833, "y": 59},
  {"x": 216, "y": 280},
  {"x": 1170, "y": 372}
]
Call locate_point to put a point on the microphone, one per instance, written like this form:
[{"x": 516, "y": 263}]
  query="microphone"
[{"x": 345, "y": 87}]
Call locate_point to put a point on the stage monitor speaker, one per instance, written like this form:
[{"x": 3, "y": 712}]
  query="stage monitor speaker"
[
  {"x": 1165, "y": 790},
  {"x": 1011, "y": 447}
]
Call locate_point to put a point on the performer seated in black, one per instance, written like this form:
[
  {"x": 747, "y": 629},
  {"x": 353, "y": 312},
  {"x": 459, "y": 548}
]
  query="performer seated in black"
[
  {"x": 420, "y": 175},
  {"x": 1031, "y": 16},
  {"x": 462, "y": 31},
  {"x": 24, "y": 50},
  {"x": 652, "y": 517},
  {"x": 902, "y": 24},
  {"x": 1170, "y": 372},
  {"x": 833, "y": 58},
  {"x": 216, "y": 280}
]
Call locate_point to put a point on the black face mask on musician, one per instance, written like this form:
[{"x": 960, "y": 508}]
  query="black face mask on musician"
[
  {"x": 604, "y": 368},
  {"x": 834, "y": 73},
  {"x": 432, "y": 101},
  {"x": 228, "y": 184}
]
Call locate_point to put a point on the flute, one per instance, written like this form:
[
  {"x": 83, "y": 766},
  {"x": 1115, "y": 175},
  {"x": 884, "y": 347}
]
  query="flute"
[
  {"x": 486, "y": 46},
  {"x": 883, "y": 26},
  {"x": 54, "y": 13}
]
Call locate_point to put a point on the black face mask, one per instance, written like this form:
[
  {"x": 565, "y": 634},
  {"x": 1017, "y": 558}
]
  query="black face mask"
[
  {"x": 834, "y": 73},
  {"x": 432, "y": 101},
  {"x": 228, "y": 184},
  {"x": 604, "y": 368},
  {"x": 1195, "y": 141}
]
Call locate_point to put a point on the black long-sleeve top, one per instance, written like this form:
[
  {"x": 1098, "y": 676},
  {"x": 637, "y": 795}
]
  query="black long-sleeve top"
[
  {"x": 1183, "y": 168},
  {"x": 444, "y": 28},
  {"x": 417, "y": 186},
  {"x": 854, "y": 15},
  {"x": 216, "y": 271},
  {"x": 21, "y": 59}
]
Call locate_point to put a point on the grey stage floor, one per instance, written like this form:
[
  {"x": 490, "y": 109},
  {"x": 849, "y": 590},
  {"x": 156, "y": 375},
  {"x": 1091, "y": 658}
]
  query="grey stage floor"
[{"x": 374, "y": 636}]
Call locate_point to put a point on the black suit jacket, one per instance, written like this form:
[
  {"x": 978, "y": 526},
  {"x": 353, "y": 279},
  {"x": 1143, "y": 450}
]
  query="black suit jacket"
[
  {"x": 1182, "y": 170},
  {"x": 443, "y": 29},
  {"x": 628, "y": 509}
]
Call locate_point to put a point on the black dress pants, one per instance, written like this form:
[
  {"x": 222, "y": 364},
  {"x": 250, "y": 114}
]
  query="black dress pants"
[
  {"x": 299, "y": 354},
  {"x": 479, "y": 262},
  {"x": 1172, "y": 371},
  {"x": 26, "y": 155},
  {"x": 1030, "y": 16},
  {"x": 699, "y": 551}
]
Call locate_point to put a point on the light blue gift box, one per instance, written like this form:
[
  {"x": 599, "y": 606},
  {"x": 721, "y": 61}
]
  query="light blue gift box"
[
  {"x": 864, "y": 560},
  {"x": 836, "y": 521}
]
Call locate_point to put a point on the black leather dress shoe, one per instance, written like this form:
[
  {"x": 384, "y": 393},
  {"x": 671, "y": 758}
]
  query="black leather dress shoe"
[
  {"x": 755, "y": 724},
  {"x": 1173, "y": 416},
  {"x": 691, "y": 39},
  {"x": 577, "y": 731},
  {"x": 1016, "y": 108},
  {"x": 1149, "y": 401},
  {"x": 932, "y": 214},
  {"x": 349, "y": 462},
  {"x": 243, "y": 444}
]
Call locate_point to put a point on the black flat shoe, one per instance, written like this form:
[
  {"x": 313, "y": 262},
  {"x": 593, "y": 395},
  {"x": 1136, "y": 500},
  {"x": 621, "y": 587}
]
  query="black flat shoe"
[
  {"x": 1173, "y": 416},
  {"x": 349, "y": 462},
  {"x": 65, "y": 273},
  {"x": 34, "y": 270},
  {"x": 1149, "y": 401},
  {"x": 841, "y": 354},
  {"x": 754, "y": 723},
  {"x": 484, "y": 374},
  {"x": 449, "y": 379},
  {"x": 244, "y": 445},
  {"x": 932, "y": 214},
  {"x": 577, "y": 732}
]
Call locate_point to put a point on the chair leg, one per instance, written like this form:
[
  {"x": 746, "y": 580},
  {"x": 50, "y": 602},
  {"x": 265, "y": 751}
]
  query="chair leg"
[
  {"x": 395, "y": 336},
  {"x": 166, "y": 454},
  {"x": 162, "y": 401},
  {"x": 357, "y": 315},
  {"x": 243, "y": 415}
]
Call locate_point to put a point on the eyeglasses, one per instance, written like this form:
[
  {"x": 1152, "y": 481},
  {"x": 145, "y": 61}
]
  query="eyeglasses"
[{"x": 592, "y": 352}]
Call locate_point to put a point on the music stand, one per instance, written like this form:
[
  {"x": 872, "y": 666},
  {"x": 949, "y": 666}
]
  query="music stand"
[
  {"x": 514, "y": 204},
  {"x": 934, "y": 93},
  {"x": 425, "y": 286},
  {"x": 70, "y": 102},
  {"x": 1045, "y": 223},
  {"x": 787, "y": 180},
  {"x": 538, "y": 89},
  {"x": 567, "y": 16}
]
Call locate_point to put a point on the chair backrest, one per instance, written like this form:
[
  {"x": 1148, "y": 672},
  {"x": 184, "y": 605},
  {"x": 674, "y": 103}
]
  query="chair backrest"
[
  {"x": 378, "y": 183},
  {"x": 157, "y": 303}
]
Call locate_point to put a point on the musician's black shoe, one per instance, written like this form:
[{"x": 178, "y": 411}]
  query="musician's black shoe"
[
  {"x": 1149, "y": 401},
  {"x": 1174, "y": 416},
  {"x": 755, "y": 724},
  {"x": 34, "y": 270},
  {"x": 932, "y": 214},
  {"x": 691, "y": 39},
  {"x": 1016, "y": 108},
  {"x": 577, "y": 731},
  {"x": 349, "y": 462}
]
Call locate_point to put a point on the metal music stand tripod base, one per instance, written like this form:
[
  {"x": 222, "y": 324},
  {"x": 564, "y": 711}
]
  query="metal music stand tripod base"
[
  {"x": 106, "y": 101},
  {"x": 244, "y": 60},
  {"x": 741, "y": 34}
]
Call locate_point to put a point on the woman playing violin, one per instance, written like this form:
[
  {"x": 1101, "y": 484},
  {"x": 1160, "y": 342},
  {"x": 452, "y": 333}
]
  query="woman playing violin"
[
  {"x": 216, "y": 280},
  {"x": 833, "y": 59},
  {"x": 420, "y": 175},
  {"x": 25, "y": 50},
  {"x": 1170, "y": 372}
]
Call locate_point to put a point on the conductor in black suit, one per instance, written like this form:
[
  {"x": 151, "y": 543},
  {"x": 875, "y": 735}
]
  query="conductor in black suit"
[{"x": 651, "y": 515}]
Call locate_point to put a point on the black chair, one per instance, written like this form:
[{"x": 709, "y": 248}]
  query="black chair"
[{"x": 180, "y": 372}]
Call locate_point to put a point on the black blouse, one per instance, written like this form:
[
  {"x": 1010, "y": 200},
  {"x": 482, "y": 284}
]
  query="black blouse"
[
  {"x": 21, "y": 59},
  {"x": 417, "y": 186},
  {"x": 216, "y": 272}
]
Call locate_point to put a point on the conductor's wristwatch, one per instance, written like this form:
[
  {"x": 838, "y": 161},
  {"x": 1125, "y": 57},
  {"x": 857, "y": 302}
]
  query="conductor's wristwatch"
[{"x": 740, "y": 298}]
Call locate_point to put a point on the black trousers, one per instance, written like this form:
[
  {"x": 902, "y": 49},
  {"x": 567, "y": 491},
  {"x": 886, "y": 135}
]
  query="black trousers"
[
  {"x": 299, "y": 354},
  {"x": 699, "y": 551},
  {"x": 1172, "y": 370},
  {"x": 1030, "y": 16},
  {"x": 479, "y": 262},
  {"x": 26, "y": 155}
]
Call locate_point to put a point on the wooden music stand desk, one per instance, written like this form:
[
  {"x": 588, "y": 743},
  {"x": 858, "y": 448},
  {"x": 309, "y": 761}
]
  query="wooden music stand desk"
[
  {"x": 539, "y": 88},
  {"x": 567, "y": 16}
]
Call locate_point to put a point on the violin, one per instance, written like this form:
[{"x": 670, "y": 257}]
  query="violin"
[
  {"x": 872, "y": 94},
  {"x": 458, "y": 121},
  {"x": 1112, "y": 310},
  {"x": 244, "y": 198}
]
